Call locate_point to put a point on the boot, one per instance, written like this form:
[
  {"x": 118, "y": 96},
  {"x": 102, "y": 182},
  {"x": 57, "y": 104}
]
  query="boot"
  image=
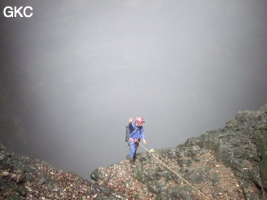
[
  {"x": 132, "y": 161},
  {"x": 134, "y": 158}
]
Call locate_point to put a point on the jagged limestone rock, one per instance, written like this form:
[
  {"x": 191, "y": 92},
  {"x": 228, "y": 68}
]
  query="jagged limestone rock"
[
  {"x": 179, "y": 192},
  {"x": 226, "y": 163}
]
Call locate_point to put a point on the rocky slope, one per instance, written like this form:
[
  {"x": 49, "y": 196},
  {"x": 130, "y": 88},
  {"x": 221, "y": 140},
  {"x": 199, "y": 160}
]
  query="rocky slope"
[{"x": 227, "y": 163}]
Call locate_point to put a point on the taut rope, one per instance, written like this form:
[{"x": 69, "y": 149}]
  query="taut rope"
[{"x": 175, "y": 172}]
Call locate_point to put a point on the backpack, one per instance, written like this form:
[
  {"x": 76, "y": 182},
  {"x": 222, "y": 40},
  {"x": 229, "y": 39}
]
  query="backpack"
[{"x": 127, "y": 137}]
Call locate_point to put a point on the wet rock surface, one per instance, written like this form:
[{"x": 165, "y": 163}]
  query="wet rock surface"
[
  {"x": 25, "y": 178},
  {"x": 151, "y": 180},
  {"x": 228, "y": 163}
]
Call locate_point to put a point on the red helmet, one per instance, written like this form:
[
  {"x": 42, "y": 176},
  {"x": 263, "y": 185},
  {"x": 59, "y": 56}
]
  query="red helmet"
[{"x": 139, "y": 120}]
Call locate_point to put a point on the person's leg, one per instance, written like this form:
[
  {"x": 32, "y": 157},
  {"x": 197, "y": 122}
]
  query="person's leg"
[
  {"x": 136, "y": 147},
  {"x": 132, "y": 151}
]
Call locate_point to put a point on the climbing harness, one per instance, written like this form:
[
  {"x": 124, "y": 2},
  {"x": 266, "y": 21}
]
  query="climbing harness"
[{"x": 174, "y": 172}]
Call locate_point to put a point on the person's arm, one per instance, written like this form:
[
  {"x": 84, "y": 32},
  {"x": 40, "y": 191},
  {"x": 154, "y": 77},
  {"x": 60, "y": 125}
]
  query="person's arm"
[
  {"x": 143, "y": 135},
  {"x": 131, "y": 127}
]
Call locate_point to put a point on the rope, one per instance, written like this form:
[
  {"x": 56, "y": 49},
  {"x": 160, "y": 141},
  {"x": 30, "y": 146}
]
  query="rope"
[{"x": 174, "y": 172}]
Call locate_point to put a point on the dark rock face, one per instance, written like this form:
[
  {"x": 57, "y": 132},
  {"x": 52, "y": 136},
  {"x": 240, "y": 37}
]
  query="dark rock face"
[
  {"x": 24, "y": 178},
  {"x": 241, "y": 146},
  {"x": 227, "y": 163}
]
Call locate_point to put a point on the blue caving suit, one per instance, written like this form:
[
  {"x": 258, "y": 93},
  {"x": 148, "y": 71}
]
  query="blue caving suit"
[{"x": 135, "y": 134}]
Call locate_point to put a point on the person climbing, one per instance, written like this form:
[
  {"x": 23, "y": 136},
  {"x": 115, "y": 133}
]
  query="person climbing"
[{"x": 136, "y": 133}]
